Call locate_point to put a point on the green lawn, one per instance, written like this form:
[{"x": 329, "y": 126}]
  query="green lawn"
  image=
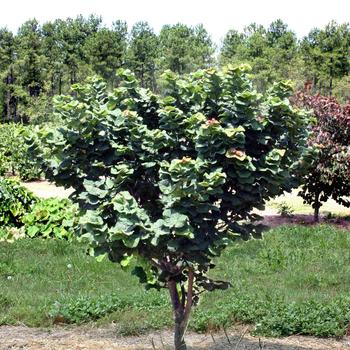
[{"x": 295, "y": 280}]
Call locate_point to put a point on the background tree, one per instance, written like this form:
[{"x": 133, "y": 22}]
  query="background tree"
[
  {"x": 184, "y": 49},
  {"x": 232, "y": 43},
  {"x": 8, "y": 101},
  {"x": 105, "y": 50},
  {"x": 40, "y": 61},
  {"x": 325, "y": 171},
  {"x": 142, "y": 54},
  {"x": 271, "y": 52},
  {"x": 170, "y": 181},
  {"x": 53, "y": 46},
  {"x": 326, "y": 52},
  {"x": 30, "y": 69}
]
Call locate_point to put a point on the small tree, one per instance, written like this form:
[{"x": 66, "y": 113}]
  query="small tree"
[
  {"x": 170, "y": 181},
  {"x": 326, "y": 167}
]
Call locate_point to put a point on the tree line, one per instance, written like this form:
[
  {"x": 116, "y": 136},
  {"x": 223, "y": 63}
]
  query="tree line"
[{"x": 41, "y": 61}]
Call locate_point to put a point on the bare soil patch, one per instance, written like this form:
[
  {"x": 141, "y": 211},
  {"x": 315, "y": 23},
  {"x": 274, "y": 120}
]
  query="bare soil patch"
[
  {"x": 91, "y": 338},
  {"x": 274, "y": 220},
  {"x": 45, "y": 189}
]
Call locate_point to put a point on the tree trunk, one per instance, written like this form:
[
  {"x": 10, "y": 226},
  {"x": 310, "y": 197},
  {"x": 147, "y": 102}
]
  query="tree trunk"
[
  {"x": 179, "y": 333},
  {"x": 182, "y": 310},
  {"x": 317, "y": 214},
  {"x": 60, "y": 85},
  {"x": 10, "y": 100},
  {"x": 331, "y": 78},
  {"x": 8, "y": 104},
  {"x": 317, "y": 206}
]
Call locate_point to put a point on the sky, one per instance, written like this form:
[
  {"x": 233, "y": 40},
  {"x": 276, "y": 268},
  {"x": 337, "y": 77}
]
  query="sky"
[{"x": 217, "y": 16}]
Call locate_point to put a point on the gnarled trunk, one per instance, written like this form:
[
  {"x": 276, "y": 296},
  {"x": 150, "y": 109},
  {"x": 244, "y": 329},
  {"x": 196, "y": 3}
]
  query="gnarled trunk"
[{"x": 181, "y": 310}]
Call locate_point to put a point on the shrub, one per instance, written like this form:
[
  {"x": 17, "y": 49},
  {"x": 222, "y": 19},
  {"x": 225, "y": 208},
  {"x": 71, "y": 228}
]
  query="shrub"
[
  {"x": 82, "y": 309},
  {"x": 15, "y": 155},
  {"x": 11, "y": 234},
  {"x": 285, "y": 210},
  {"x": 51, "y": 218},
  {"x": 170, "y": 181},
  {"x": 15, "y": 202}
]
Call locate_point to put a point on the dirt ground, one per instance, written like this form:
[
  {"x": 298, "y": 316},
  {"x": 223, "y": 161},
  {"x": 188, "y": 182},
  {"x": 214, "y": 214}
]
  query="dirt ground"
[
  {"x": 85, "y": 338},
  {"x": 44, "y": 189},
  {"x": 274, "y": 220}
]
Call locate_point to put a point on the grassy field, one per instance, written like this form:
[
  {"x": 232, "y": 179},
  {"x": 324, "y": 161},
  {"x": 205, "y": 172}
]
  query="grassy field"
[{"x": 294, "y": 281}]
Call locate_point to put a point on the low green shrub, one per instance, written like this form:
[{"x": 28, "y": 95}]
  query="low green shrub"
[
  {"x": 274, "y": 317},
  {"x": 83, "y": 309},
  {"x": 271, "y": 316},
  {"x": 51, "y": 218},
  {"x": 15, "y": 202},
  {"x": 285, "y": 210},
  {"x": 3, "y": 234},
  {"x": 15, "y": 155}
]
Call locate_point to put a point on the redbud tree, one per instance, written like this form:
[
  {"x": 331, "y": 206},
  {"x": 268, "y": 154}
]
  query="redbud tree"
[
  {"x": 326, "y": 170},
  {"x": 169, "y": 181}
]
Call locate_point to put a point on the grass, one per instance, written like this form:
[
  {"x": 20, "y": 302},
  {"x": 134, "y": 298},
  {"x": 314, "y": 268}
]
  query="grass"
[{"x": 295, "y": 280}]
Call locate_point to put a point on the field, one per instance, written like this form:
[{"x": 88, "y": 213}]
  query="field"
[{"x": 295, "y": 281}]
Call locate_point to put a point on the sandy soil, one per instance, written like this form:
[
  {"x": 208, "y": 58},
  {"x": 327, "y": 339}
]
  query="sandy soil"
[
  {"x": 45, "y": 189},
  {"x": 84, "y": 338}
]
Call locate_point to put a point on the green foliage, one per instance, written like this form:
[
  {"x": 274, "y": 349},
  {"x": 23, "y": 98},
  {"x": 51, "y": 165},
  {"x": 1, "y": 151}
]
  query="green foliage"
[
  {"x": 185, "y": 49},
  {"x": 6, "y": 146},
  {"x": 142, "y": 54},
  {"x": 271, "y": 52},
  {"x": 51, "y": 218},
  {"x": 4, "y": 234},
  {"x": 326, "y": 54},
  {"x": 342, "y": 90},
  {"x": 170, "y": 181},
  {"x": 84, "y": 309},
  {"x": 106, "y": 50},
  {"x": 15, "y": 155},
  {"x": 15, "y": 202},
  {"x": 284, "y": 209},
  {"x": 276, "y": 318}
]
